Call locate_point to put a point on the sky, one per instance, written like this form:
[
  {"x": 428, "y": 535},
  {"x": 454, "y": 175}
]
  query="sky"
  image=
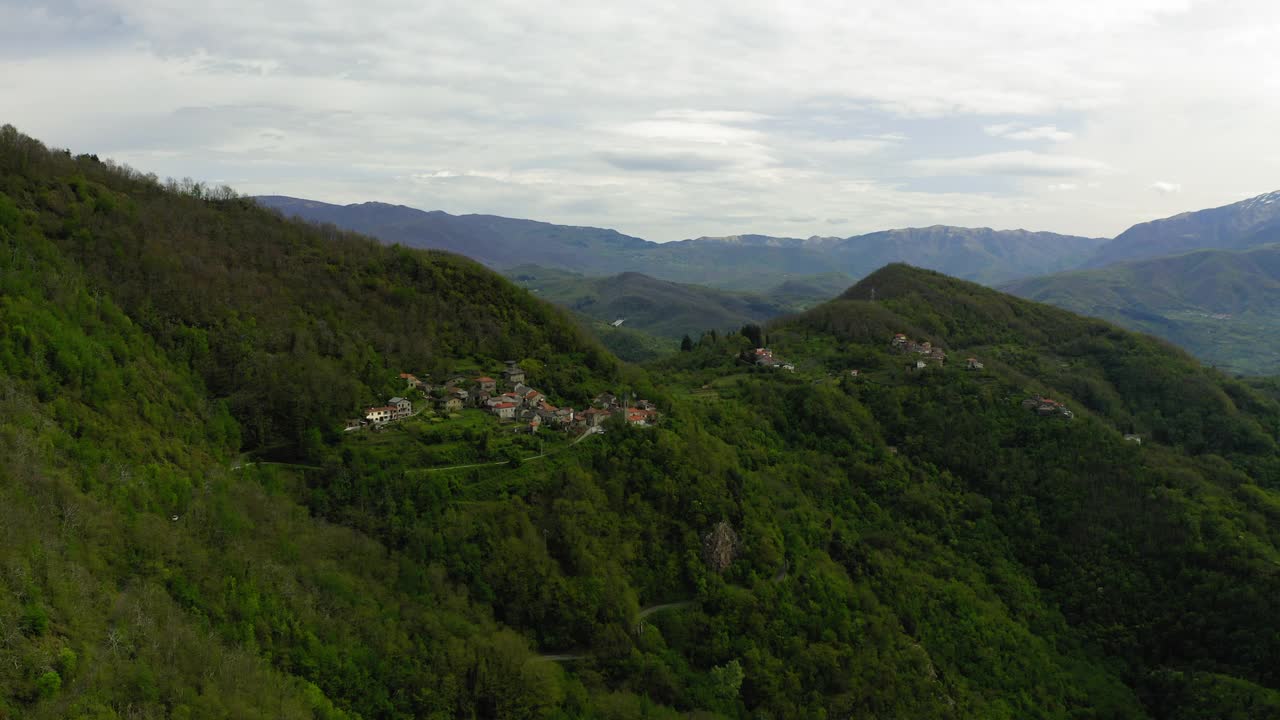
[{"x": 670, "y": 120}]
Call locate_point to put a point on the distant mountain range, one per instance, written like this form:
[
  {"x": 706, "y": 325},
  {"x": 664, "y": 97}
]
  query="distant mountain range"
[
  {"x": 742, "y": 262},
  {"x": 1247, "y": 223}
]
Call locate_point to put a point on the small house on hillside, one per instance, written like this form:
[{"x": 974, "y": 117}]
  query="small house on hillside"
[
  {"x": 486, "y": 384},
  {"x": 595, "y": 417},
  {"x": 513, "y": 374},
  {"x": 504, "y": 410},
  {"x": 411, "y": 380},
  {"x": 379, "y": 415},
  {"x": 450, "y": 403},
  {"x": 638, "y": 416},
  {"x": 973, "y": 364},
  {"x": 1047, "y": 407}
]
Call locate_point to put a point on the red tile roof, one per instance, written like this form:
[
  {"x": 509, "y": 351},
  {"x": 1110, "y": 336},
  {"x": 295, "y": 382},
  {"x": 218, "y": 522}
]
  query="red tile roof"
[{"x": 502, "y": 406}]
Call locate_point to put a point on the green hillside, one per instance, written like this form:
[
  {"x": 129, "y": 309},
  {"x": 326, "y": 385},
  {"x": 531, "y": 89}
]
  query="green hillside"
[
  {"x": 672, "y": 310},
  {"x": 781, "y": 544},
  {"x": 1222, "y": 306}
]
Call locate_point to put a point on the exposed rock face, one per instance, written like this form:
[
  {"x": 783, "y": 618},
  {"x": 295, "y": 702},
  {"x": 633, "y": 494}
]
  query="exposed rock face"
[{"x": 720, "y": 547}]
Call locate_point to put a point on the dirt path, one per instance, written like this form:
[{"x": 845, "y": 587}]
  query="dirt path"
[
  {"x": 238, "y": 465},
  {"x": 640, "y": 616},
  {"x": 646, "y": 612},
  {"x": 563, "y": 657},
  {"x": 575, "y": 441}
]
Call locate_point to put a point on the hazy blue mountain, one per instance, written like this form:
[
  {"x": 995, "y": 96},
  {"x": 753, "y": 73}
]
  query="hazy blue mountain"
[
  {"x": 980, "y": 254},
  {"x": 1239, "y": 225},
  {"x": 740, "y": 262},
  {"x": 495, "y": 241}
]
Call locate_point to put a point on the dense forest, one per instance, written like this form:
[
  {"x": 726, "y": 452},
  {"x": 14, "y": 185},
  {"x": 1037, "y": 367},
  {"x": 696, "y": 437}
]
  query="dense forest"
[{"x": 807, "y": 544}]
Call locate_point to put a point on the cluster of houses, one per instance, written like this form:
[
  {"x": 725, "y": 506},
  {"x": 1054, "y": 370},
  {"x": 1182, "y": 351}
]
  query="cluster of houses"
[
  {"x": 929, "y": 354},
  {"x": 1046, "y": 407},
  {"x": 511, "y": 400},
  {"x": 764, "y": 358},
  {"x": 606, "y": 405}
]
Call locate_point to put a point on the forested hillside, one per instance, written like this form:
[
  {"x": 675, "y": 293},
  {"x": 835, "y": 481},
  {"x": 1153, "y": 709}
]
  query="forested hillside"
[
  {"x": 806, "y": 544},
  {"x": 1220, "y": 305},
  {"x": 291, "y": 325},
  {"x": 662, "y": 308}
]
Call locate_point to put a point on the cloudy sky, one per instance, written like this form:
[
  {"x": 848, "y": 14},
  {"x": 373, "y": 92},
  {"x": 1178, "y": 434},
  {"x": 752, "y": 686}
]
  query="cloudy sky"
[{"x": 669, "y": 119}]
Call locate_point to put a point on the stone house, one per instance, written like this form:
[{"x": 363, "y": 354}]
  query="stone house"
[
  {"x": 403, "y": 407},
  {"x": 513, "y": 374}
]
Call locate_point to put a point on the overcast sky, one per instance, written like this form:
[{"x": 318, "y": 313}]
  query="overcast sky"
[{"x": 670, "y": 120}]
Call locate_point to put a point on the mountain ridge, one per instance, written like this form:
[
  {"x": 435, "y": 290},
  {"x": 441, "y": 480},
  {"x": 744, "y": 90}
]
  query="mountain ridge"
[
  {"x": 739, "y": 262},
  {"x": 1225, "y": 227}
]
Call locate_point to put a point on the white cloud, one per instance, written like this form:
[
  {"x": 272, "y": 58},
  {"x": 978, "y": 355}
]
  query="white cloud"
[
  {"x": 1062, "y": 187},
  {"x": 1017, "y": 163},
  {"x": 1014, "y": 131},
  {"x": 1166, "y": 188},
  {"x": 672, "y": 119}
]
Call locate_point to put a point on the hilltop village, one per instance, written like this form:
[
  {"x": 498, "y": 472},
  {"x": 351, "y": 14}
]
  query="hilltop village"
[
  {"x": 523, "y": 408},
  {"x": 511, "y": 400}
]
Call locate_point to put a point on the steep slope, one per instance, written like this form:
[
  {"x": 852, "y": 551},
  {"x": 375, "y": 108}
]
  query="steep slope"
[
  {"x": 1138, "y": 545},
  {"x": 140, "y": 576},
  {"x": 739, "y": 262},
  {"x": 1227, "y": 227},
  {"x": 1222, "y": 306},
  {"x": 269, "y": 311}
]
